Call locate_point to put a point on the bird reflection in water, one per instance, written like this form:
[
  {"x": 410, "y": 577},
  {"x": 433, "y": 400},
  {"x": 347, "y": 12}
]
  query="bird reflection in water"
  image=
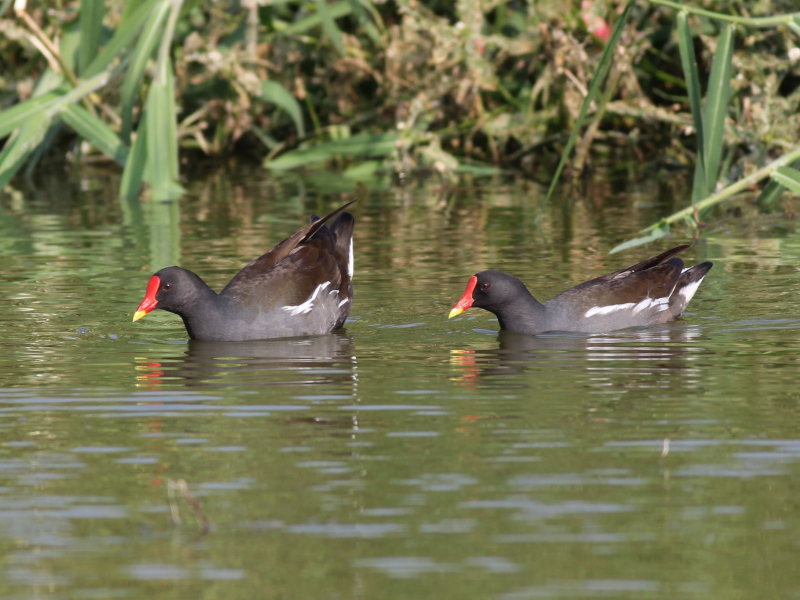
[
  {"x": 642, "y": 353},
  {"x": 289, "y": 361}
]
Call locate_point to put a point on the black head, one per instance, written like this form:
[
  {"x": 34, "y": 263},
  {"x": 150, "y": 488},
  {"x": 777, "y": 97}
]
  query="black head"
[
  {"x": 172, "y": 289},
  {"x": 491, "y": 290}
]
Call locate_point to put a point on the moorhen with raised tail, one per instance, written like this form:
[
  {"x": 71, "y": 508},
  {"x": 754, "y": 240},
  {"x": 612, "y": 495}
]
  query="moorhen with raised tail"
[
  {"x": 654, "y": 291},
  {"x": 303, "y": 286}
]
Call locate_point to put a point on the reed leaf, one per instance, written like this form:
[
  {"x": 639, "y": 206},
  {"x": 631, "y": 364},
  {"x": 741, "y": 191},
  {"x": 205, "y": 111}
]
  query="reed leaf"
[
  {"x": 594, "y": 84},
  {"x": 91, "y": 24},
  {"x": 788, "y": 177},
  {"x": 124, "y": 35},
  {"x": 716, "y": 108},
  {"x": 794, "y": 25},
  {"x": 134, "y": 172},
  {"x": 334, "y": 11},
  {"x": 657, "y": 233},
  {"x": 95, "y": 131},
  {"x": 145, "y": 46},
  {"x": 362, "y": 145},
  {"x": 772, "y": 192},
  {"x": 329, "y": 26},
  {"x": 692, "y": 77},
  {"x": 22, "y": 144},
  {"x": 16, "y": 116},
  {"x": 274, "y": 92},
  {"x": 162, "y": 141}
]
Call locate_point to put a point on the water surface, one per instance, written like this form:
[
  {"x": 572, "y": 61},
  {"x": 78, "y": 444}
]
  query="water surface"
[{"x": 407, "y": 455}]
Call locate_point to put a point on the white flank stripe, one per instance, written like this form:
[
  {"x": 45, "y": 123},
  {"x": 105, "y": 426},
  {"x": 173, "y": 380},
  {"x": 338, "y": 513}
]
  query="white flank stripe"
[
  {"x": 343, "y": 301},
  {"x": 604, "y": 310},
  {"x": 660, "y": 304},
  {"x": 689, "y": 289},
  {"x": 306, "y": 306},
  {"x": 351, "y": 260}
]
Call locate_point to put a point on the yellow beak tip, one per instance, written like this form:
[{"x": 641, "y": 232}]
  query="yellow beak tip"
[
  {"x": 138, "y": 315},
  {"x": 455, "y": 312}
]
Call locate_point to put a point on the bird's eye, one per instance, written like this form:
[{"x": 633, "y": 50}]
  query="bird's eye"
[
  {"x": 486, "y": 285},
  {"x": 167, "y": 287}
]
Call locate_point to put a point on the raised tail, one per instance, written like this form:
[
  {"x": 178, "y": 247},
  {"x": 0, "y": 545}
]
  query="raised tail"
[{"x": 688, "y": 282}]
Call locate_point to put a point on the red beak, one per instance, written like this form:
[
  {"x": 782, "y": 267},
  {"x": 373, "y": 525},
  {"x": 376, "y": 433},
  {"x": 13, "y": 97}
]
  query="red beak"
[
  {"x": 466, "y": 299},
  {"x": 149, "y": 302}
]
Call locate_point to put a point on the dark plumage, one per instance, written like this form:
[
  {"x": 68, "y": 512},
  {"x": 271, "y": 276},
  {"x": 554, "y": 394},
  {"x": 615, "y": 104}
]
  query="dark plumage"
[
  {"x": 303, "y": 286},
  {"x": 655, "y": 290}
]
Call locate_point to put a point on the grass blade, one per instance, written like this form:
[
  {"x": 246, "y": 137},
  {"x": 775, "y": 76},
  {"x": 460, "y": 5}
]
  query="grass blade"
[
  {"x": 340, "y": 9},
  {"x": 602, "y": 68},
  {"x": 655, "y": 234},
  {"x": 133, "y": 173},
  {"x": 22, "y": 144},
  {"x": 794, "y": 25},
  {"x": 95, "y": 131},
  {"x": 329, "y": 26},
  {"x": 123, "y": 36},
  {"x": 716, "y": 108},
  {"x": 91, "y": 24},
  {"x": 145, "y": 46},
  {"x": 772, "y": 192},
  {"x": 692, "y": 77},
  {"x": 162, "y": 142},
  {"x": 788, "y": 177},
  {"x": 274, "y": 92},
  {"x": 361, "y": 145},
  {"x": 16, "y": 116}
]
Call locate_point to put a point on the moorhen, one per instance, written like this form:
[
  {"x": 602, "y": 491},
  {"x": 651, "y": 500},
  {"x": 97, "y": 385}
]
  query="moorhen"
[
  {"x": 303, "y": 286},
  {"x": 656, "y": 290}
]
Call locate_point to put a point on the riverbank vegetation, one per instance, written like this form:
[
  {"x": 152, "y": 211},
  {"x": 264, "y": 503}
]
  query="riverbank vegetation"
[{"x": 406, "y": 85}]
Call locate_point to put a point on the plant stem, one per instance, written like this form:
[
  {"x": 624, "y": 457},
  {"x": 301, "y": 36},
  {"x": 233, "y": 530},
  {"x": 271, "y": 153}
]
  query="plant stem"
[
  {"x": 729, "y": 191},
  {"x": 748, "y": 21}
]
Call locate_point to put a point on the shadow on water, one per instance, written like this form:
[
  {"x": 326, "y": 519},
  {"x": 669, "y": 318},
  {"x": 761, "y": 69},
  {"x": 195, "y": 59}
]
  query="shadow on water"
[
  {"x": 305, "y": 360},
  {"x": 646, "y": 352}
]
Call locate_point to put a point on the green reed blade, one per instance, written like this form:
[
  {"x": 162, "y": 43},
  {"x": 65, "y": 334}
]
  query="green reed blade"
[
  {"x": 274, "y": 92},
  {"x": 339, "y": 9},
  {"x": 716, "y": 108},
  {"x": 145, "y": 46},
  {"x": 594, "y": 84},
  {"x": 788, "y": 177},
  {"x": 16, "y": 116},
  {"x": 124, "y": 35},
  {"x": 162, "y": 142},
  {"x": 134, "y": 171},
  {"x": 772, "y": 192},
  {"x": 329, "y": 26},
  {"x": 22, "y": 144},
  {"x": 360, "y": 146},
  {"x": 91, "y": 24},
  {"x": 654, "y": 235},
  {"x": 692, "y": 77},
  {"x": 95, "y": 131}
]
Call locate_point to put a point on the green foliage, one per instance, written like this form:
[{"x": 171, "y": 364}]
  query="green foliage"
[{"x": 404, "y": 85}]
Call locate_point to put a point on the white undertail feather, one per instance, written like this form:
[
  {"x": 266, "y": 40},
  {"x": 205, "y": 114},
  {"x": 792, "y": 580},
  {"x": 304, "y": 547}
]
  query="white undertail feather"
[
  {"x": 350, "y": 260},
  {"x": 306, "y": 306},
  {"x": 689, "y": 289}
]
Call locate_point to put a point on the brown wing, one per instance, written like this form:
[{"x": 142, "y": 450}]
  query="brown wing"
[
  {"x": 292, "y": 281},
  {"x": 271, "y": 259},
  {"x": 647, "y": 263},
  {"x": 627, "y": 286}
]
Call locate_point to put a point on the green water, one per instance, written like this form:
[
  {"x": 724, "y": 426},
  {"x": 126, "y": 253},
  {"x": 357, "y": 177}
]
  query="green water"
[{"x": 408, "y": 456}]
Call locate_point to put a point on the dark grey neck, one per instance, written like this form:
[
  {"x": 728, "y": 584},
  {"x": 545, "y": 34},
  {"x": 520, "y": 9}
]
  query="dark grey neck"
[{"x": 522, "y": 313}]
